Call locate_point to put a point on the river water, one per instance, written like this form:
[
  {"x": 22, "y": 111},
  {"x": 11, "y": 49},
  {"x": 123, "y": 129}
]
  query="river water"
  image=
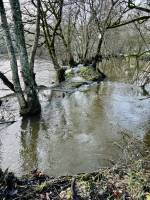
[{"x": 76, "y": 132}]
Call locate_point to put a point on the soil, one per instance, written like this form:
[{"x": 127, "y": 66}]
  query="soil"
[{"x": 130, "y": 182}]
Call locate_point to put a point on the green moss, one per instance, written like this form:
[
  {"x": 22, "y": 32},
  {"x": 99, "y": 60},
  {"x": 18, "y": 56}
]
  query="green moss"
[
  {"x": 88, "y": 73},
  {"x": 42, "y": 186},
  {"x": 69, "y": 74}
]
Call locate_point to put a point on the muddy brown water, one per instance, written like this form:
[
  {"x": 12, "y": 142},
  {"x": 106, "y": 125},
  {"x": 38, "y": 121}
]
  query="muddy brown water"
[{"x": 75, "y": 132}]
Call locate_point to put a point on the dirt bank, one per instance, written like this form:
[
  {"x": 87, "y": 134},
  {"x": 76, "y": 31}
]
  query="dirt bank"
[{"x": 118, "y": 182}]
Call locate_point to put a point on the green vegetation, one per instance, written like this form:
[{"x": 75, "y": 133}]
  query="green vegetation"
[{"x": 88, "y": 73}]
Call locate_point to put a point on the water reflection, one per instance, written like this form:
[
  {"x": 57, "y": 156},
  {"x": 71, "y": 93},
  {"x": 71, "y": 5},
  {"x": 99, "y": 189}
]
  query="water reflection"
[
  {"x": 29, "y": 139},
  {"x": 76, "y": 132}
]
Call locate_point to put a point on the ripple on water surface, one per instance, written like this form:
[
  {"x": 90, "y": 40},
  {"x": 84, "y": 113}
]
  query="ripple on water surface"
[{"x": 75, "y": 133}]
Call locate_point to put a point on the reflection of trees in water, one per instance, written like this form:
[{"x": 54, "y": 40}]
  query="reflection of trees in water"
[
  {"x": 29, "y": 140},
  {"x": 59, "y": 117},
  {"x": 130, "y": 69}
]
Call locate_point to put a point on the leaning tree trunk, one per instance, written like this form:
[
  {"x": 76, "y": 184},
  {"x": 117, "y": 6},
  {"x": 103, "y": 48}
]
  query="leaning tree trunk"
[
  {"x": 13, "y": 61},
  {"x": 30, "y": 88}
]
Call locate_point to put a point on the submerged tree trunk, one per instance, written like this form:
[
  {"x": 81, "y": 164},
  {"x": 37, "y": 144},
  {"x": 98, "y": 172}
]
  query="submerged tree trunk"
[
  {"x": 30, "y": 88},
  {"x": 13, "y": 61}
]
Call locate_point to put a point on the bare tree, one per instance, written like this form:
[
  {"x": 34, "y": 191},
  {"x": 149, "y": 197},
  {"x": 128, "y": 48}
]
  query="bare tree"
[
  {"x": 77, "y": 29},
  {"x": 31, "y": 104},
  {"x": 50, "y": 28}
]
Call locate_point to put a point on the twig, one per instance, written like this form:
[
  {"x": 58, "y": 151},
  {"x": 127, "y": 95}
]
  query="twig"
[
  {"x": 7, "y": 122},
  {"x": 73, "y": 190},
  {"x": 144, "y": 98}
]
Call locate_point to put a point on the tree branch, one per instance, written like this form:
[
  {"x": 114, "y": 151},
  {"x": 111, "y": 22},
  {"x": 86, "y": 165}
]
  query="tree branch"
[
  {"x": 131, "y": 5},
  {"x": 138, "y": 19},
  {"x": 7, "y": 82}
]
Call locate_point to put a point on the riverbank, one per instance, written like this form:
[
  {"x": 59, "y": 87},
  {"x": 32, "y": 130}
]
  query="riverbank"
[
  {"x": 118, "y": 182},
  {"x": 129, "y": 179}
]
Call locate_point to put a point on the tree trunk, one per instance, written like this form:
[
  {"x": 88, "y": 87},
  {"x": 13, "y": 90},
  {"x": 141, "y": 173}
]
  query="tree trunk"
[
  {"x": 51, "y": 49},
  {"x": 70, "y": 58},
  {"x": 50, "y": 42},
  {"x": 13, "y": 61},
  {"x": 31, "y": 92},
  {"x": 35, "y": 43},
  {"x": 97, "y": 59},
  {"x": 60, "y": 72},
  {"x": 98, "y": 56}
]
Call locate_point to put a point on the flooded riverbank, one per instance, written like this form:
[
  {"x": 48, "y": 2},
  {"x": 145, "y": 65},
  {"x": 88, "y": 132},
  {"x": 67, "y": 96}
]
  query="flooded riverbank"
[{"x": 76, "y": 132}]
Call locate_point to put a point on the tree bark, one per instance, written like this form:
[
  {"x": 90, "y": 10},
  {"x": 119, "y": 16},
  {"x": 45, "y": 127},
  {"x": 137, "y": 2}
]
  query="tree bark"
[
  {"x": 13, "y": 61},
  {"x": 70, "y": 58},
  {"x": 35, "y": 43},
  {"x": 30, "y": 89},
  {"x": 50, "y": 39}
]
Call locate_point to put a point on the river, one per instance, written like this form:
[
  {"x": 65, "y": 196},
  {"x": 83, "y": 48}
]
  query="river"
[{"x": 76, "y": 132}]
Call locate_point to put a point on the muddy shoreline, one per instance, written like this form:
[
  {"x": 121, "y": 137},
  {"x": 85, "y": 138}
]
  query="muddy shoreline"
[{"x": 130, "y": 182}]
